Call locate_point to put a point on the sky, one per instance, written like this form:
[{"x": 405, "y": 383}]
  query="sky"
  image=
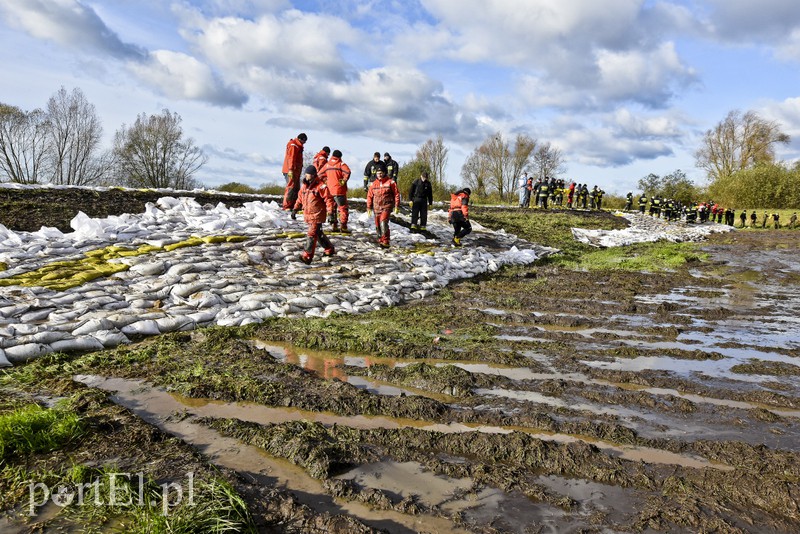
[{"x": 623, "y": 88}]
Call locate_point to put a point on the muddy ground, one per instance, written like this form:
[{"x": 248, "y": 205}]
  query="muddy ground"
[{"x": 548, "y": 398}]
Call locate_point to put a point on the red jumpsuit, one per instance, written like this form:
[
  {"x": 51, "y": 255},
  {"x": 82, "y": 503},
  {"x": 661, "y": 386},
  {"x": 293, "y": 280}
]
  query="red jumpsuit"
[
  {"x": 292, "y": 165},
  {"x": 316, "y": 200},
  {"x": 336, "y": 172},
  {"x": 382, "y": 197},
  {"x": 459, "y": 215}
]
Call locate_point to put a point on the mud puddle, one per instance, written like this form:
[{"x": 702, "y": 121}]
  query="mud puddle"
[
  {"x": 454, "y": 496},
  {"x": 156, "y": 404},
  {"x": 163, "y": 411}
]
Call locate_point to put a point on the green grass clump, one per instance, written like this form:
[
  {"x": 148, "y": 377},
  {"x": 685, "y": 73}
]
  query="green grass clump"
[
  {"x": 32, "y": 428},
  {"x": 650, "y": 257},
  {"x": 217, "y": 508},
  {"x": 550, "y": 229}
]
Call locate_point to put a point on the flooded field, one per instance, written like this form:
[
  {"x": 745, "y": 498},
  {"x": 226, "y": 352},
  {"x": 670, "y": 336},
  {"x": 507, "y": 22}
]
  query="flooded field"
[{"x": 541, "y": 398}]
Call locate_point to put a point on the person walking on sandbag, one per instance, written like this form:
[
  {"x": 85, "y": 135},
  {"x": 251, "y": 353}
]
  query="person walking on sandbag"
[
  {"x": 384, "y": 197},
  {"x": 316, "y": 201}
]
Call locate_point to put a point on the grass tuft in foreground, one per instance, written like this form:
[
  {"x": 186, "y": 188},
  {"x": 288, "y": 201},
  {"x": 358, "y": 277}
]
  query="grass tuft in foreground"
[{"x": 32, "y": 428}]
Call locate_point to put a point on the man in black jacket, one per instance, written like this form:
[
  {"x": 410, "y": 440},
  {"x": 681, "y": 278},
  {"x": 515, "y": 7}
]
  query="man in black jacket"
[
  {"x": 372, "y": 168},
  {"x": 392, "y": 167},
  {"x": 421, "y": 195}
]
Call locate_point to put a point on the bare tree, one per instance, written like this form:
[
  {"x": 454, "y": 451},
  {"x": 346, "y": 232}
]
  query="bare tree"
[
  {"x": 23, "y": 144},
  {"x": 495, "y": 164},
  {"x": 548, "y": 161},
  {"x": 475, "y": 174},
  {"x": 738, "y": 142},
  {"x": 433, "y": 153},
  {"x": 153, "y": 153},
  {"x": 74, "y": 138}
]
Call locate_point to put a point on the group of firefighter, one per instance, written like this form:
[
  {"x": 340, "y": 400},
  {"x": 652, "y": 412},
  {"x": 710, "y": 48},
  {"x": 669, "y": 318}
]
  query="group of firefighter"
[
  {"x": 700, "y": 212},
  {"x": 320, "y": 190},
  {"x": 548, "y": 191}
]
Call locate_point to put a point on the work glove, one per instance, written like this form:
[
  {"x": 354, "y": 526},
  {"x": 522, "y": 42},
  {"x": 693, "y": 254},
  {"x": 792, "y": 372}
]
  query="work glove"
[
  {"x": 396, "y": 210},
  {"x": 293, "y": 214},
  {"x": 410, "y": 203},
  {"x": 369, "y": 213}
]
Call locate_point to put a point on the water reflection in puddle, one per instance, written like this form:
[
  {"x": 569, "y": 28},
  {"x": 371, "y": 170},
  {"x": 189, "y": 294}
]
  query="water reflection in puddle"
[{"x": 156, "y": 405}]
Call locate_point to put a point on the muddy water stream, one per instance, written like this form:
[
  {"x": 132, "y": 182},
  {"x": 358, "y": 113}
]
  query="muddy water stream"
[{"x": 162, "y": 409}]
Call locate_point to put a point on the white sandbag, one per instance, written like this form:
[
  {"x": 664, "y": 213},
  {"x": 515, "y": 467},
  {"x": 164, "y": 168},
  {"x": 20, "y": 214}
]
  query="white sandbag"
[
  {"x": 327, "y": 298},
  {"x": 77, "y": 344},
  {"x": 167, "y": 203},
  {"x": 91, "y": 326},
  {"x": 14, "y": 310},
  {"x": 119, "y": 320},
  {"x": 48, "y": 337},
  {"x": 149, "y": 269},
  {"x": 3, "y": 360},
  {"x": 230, "y": 321},
  {"x": 111, "y": 338},
  {"x": 27, "y": 351},
  {"x": 205, "y": 299},
  {"x": 179, "y": 269},
  {"x": 184, "y": 290},
  {"x": 48, "y": 232},
  {"x": 262, "y": 314},
  {"x": 146, "y": 327},
  {"x": 174, "y": 324},
  {"x": 86, "y": 228},
  {"x": 204, "y": 316},
  {"x": 305, "y": 302}
]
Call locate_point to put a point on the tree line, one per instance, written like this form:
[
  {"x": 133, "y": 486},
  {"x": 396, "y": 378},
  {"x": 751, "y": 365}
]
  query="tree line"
[
  {"x": 742, "y": 169},
  {"x": 61, "y": 145}
]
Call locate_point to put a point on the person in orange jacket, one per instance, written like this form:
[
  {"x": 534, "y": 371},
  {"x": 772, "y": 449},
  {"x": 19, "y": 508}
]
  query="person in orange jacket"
[
  {"x": 336, "y": 173},
  {"x": 321, "y": 158},
  {"x": 383, "y": 196},
  {"x": 459, "y": 214},
  {"x": 316, "y": 201},
  {"x": 292, "y": 165}
]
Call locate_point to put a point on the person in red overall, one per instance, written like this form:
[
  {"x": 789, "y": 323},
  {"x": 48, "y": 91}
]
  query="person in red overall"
[
  {"x": 383, "y": 196},
  {"x": 321, "y": 159},
  {"x": 316, "y": 201},
  {"x": 570, "y": 195},
  {"x": 459, "y": 214},
  {"x": 336, "y": 173},
  {"x": 292, "y": 165}
]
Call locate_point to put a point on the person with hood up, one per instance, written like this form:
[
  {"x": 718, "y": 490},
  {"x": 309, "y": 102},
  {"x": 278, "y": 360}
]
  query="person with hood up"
[
  {"x": 292, "y": 165},
  {"x": 336, "y": 173},
  {"x": 459, "y": 214},
  {"x": 316, "y": 201},
  {"x": 383, "y": 197}
]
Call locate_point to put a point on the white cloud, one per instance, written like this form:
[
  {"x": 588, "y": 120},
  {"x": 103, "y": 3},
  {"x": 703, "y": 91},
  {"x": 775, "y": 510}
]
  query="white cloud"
[
  {"x": 180, "y": 76},
  {"x": 618, "y": 138},
  {"x": 69, "y": 23},
  {"x": 743, "y": 20},
  {"x": 787, "y": 114},
  {"x": 645, "y": 77},
  {"x": 293, "y": 43},
  {"x": 572, "y": 53}
]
